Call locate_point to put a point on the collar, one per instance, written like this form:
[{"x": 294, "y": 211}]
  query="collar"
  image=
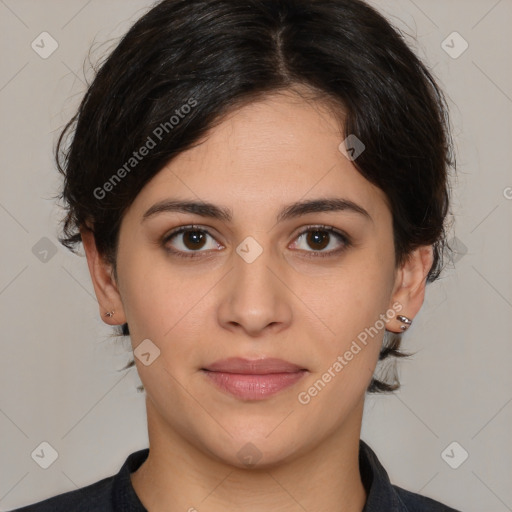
[{"x": 381, "y": 495}]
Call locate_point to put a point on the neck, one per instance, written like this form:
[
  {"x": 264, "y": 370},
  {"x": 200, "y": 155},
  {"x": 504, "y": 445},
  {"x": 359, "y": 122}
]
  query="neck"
[{"x": 177, "y": 476}]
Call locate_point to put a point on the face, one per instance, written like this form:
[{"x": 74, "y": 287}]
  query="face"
[{"x": 253, "y": 308}]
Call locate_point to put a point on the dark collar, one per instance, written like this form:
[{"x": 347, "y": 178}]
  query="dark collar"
[{"x": 381, "y": 495}]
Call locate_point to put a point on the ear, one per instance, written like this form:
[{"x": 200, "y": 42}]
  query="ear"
[
  {"x": 410, "y": 283},
  {"x": 105, "y": 287}
]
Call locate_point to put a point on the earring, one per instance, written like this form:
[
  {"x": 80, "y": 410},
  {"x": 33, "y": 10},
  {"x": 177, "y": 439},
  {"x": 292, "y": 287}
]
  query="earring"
[
  {"x": 406, "y": 322},
  {"x": 109, "y": 314}
]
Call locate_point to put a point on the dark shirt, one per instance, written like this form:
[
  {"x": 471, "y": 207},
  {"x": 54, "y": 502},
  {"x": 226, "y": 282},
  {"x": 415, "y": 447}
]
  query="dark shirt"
[{"x": 116, "y": 493}]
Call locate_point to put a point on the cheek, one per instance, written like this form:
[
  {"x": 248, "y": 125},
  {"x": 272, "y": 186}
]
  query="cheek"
[
  {"x": 166, "y": 304},
  {"x": 154, "y": 298},
  {"x": 344, "y": 359},
  {"x": 348, "y": 298}
]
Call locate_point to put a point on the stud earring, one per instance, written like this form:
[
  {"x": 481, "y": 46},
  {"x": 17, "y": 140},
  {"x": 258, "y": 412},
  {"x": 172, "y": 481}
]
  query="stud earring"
[
  {"x": 109, "y": 314},
  {"x": 406, "y": 322}
]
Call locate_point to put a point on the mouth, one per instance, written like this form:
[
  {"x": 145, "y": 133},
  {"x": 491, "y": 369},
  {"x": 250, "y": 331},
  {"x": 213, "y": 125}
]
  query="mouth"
[{"x": 253, "y": 379}]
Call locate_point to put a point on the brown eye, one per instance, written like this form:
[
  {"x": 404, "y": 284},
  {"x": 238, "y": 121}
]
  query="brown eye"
[
  {"x": 189, "y": 242},
  {"x": 318, "y": 239},
  {"x": 193, "y": 239}
]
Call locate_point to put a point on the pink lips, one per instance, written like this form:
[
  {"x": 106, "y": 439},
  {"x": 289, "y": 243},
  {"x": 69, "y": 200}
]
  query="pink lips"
[{"x": 253, "y": 379}]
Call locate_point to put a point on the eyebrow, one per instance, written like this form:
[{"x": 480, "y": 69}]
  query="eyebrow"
[{"x": 294, "y": 210}]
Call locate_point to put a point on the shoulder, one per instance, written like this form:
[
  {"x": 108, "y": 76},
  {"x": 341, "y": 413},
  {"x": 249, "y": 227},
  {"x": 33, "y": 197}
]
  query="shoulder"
[
  {"x": 94, "y": 497},
  {"x": 417, "y": 503},
  {"x": 107, "y": 495},
  {"x": 382, "y": 495}
]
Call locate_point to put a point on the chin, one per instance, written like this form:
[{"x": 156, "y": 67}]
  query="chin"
[{"x": 255, "y": 450}]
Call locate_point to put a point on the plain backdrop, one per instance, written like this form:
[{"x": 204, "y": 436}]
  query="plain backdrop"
[{"x": 60, "y": 378}]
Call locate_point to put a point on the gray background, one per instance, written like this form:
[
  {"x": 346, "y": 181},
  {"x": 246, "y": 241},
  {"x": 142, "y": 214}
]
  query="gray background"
[{"x": 59, "y": 371}]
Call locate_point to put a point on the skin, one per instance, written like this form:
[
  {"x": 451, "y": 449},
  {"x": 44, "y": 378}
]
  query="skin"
[{"x": 286, "y": 304}]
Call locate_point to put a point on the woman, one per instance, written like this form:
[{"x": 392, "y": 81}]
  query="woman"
[{"x": 261, "y": 191}]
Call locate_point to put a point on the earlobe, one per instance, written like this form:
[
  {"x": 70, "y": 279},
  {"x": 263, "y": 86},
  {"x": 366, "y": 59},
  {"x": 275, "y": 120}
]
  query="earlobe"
[
  {"x": 105, "y": 287},
  {"x": 410, "y": 285}
]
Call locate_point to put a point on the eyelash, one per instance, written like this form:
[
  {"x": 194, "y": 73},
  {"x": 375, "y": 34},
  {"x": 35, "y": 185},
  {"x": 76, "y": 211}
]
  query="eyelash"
[{"x": 313, "y": 254}]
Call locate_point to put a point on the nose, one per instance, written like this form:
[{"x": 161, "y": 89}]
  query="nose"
[{"x": 255, "y": 299}]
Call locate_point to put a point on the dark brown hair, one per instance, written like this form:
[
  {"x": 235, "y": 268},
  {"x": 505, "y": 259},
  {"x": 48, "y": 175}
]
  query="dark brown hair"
[{"x": 187, "y": 63}]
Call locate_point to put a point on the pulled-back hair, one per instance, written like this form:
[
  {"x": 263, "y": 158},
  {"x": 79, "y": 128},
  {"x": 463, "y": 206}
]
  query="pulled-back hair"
[{"x": 186, "y": 64}]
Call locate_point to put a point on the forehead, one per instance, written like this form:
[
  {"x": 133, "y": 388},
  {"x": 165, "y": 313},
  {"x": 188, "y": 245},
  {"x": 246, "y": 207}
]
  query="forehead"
[{"x": 267, "y": 153}]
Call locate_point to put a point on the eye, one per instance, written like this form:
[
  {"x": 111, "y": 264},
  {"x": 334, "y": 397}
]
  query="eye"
[
  {"x": 192, "y": 240},
  {"x": 189, "y": 240},
  {"x": 320, "y": 238}
]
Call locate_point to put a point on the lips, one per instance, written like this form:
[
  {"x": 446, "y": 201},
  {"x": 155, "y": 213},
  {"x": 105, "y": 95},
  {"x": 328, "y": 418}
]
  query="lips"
[
  {"x": 253, "y": 379},
  {"x": 255, "y": 366}
]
